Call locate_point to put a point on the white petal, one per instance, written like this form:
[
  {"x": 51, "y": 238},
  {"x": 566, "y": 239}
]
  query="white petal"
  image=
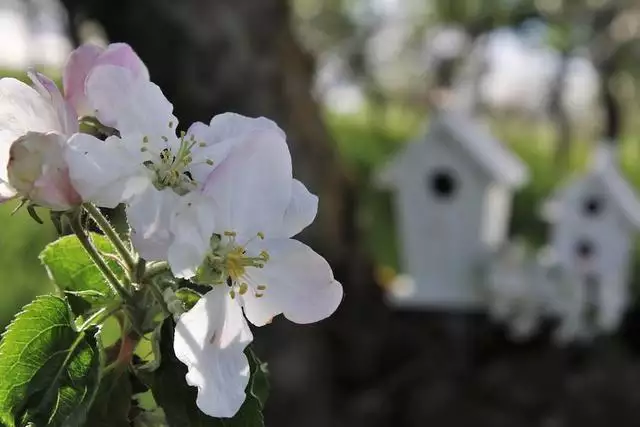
[
  {"x": 134, "y": 106},
  {"x": 210, "y": 339},
  {"x": 252, "y": 186},
  {"x": 149, "y": 215},
  {"x": 231, "y": 125},
  {"x": 22, "y": 109},
  {"x": 105, "y": 172},
  {"x": 301, "y": 211},
  {"x": 66, "y": 114},
  {"x": 299, "y": 284},
  {"x": 192, "y": 225}
]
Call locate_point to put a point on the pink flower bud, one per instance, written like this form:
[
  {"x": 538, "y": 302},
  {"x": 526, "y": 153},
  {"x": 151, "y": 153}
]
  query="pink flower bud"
[
  {"x": 87, "y": 57},
  {"x": 37, "y": 171}
]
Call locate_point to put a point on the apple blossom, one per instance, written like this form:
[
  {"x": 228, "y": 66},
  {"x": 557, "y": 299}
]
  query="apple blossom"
[
  {"x": 34, "y": 127},
  {"x": 84, "y": 59},
  {"x": 252, "y": 263}
]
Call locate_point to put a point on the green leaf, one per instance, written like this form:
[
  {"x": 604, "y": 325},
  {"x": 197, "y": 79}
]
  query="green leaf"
[
  {"x": 73, "y": 271},
  {"x": 189, "y": 297},
  {"x": 113, "y": 402},
  {"x": 49, "y": 372},
  {"x": 178, "y": 399}
]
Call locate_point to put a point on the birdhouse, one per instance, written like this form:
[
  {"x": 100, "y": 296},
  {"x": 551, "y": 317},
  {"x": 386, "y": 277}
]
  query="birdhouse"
[
  {"x": 452, "y": 191},
  {"x": 593, "y": 219}
]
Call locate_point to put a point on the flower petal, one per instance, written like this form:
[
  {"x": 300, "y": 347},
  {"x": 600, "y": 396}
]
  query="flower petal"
[
  {"x": 38, "y": 170},
  {"x": 210, "y": 339},
  {"x": 192, "y": 225},
  {"x": 301, "y": 211},
  {"x": 252, "y": 186},
  {"x": 149, "y": 215},
  {"x": 67, "y": 117},
  {"x": 22, "y": 109},
  {"x": 135, "y": 107},
  {"x": 80, "y": 62},
  {"x": 105, "y": 172},
  {"x": 299, "y": 284},
  {"x": 123, "y": 55}
]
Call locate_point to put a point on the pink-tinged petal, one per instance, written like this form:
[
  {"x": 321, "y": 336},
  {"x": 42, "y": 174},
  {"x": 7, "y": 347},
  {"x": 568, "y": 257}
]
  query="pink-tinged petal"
[
  {"x": 22, "y": 109},
  {"x": 134, "y": 107},
  {"x": 192, "y": 226},
  {"x": 105, "y": 172},
  {"x": 301, "y": 211},
  {"x": 210, "y": 339},
  {"x": 255, "y": 177},
  {"x": 67, "y": 116},
  {"x": 149, "y": 215},
  {"x": 298, "y": 283},
  {"x": 38, "y": 171},
  {"x": 122, "y": 55},
  {"x": 75, "y": 73}
]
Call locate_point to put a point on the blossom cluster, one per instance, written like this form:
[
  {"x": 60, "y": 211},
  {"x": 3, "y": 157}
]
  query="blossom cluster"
[{"x": 217, "y": 202}]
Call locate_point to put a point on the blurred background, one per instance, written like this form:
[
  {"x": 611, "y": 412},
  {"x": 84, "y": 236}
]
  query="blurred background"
[{"x": 352, "y": 82}]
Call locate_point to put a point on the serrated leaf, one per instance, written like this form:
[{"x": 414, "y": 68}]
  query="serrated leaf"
[
  {"x": 178, "y": 399},
  {"x": 49, "y": 372},
  {"x": 113, "y": 402},
  {"x": 72, "y": 270}
]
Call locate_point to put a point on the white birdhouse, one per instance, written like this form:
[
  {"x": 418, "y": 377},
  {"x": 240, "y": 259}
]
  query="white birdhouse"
[
  {"x": 593, "y": 220},
  {"x": 453, "y": 200}
]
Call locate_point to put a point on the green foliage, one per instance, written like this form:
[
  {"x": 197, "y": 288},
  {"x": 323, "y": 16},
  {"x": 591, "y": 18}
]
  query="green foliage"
[
  {"x": 49, "y": 371},
  {"x": 73, "y": 271},
  {"x": 178, "y": 399}
]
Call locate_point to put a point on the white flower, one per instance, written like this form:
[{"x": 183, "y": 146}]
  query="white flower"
[
  {"x": 34, "y": 127},
  {"x": 257, "y": 208},
  {"x": 148, "y": 166}
]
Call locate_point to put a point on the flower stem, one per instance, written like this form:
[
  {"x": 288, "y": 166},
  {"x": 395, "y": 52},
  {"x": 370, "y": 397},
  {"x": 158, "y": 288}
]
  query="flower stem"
[
  {"x": 112, "y": 234},
  {"x": 155, "y": 269},
  {"x": 85, "y": 241}
]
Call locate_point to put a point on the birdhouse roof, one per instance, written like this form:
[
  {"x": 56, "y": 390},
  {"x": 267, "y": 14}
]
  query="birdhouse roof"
[
  {"x": 490, "y": 154},
  {"x": 605, "y": 169}
]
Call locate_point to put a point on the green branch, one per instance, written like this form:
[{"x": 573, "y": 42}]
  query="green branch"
[
  {"x": 112, "y": 234},
  {"x": 94, "y": 254}
]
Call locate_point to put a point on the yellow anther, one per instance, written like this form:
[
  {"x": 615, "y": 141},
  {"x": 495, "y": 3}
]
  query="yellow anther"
[
  {"x": 170, "y": 124},
  {"x": 232, "y": 294},
  {"x": 143, "y": 149},
  {"x": 264, "y": 255},
  {"x": 145, "y": 139},
  {"x": 261, "y": 235},
  {"x": 261, "y": 287},
  {"x": 230, "y": 233},
  {"x": 164, "y": 138},
  {"x": 209, "y": 162},
  {"x": 258, "y": 295},
  {"x": 202, "y": 144}
]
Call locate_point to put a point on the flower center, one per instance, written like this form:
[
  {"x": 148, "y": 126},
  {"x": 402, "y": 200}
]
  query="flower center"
[
  {"x": 227, "y": 263},
  {"x": 171, "y": 166}
]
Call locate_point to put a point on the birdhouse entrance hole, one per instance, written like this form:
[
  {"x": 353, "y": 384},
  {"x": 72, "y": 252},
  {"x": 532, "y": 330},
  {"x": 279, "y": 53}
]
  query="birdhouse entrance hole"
[
  {"x": 593, "y": 206},
  {"x": 443, "y": 184},
  {"x": 585, "y": 249}
]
